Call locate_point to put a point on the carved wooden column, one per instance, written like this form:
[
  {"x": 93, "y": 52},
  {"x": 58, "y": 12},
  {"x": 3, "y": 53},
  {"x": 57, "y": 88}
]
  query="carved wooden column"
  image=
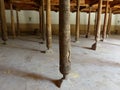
[
  {"x": 77, "y": 32},
  {"x": 18, "y": 25},
  {"x": 48, "y": 26},
  {"x": 64, "y": 37},
  {"x": 3, "y": 22},
  {"x": 88, "y": 29},
  {"x": 12, "y": 21},
  {"x": 98, "y": 28},
  {"x": 109, "y": 22},
  {"x": 105, "y": 21}
]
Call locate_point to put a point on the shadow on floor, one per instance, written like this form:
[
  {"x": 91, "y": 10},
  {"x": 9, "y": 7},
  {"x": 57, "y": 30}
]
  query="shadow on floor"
[
  {"x": 28, "y": 75},
  {"x": 22, "y": 47},
  {"x": 35, "y": 39},
  {"x": 88, "y": 48},
  {"x": 25, "y": 39},
  {"x": 32, "y": 40}
]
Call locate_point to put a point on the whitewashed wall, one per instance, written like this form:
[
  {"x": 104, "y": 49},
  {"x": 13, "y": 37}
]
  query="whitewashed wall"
[
  {"x": 117, "y": 21},
  {"x": 34, "y": 15}
]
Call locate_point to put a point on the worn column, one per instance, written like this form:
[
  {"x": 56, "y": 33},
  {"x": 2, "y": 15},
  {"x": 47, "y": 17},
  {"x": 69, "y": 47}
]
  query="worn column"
[
  {"x": 43, "y": 22},
  {"x": 3, "y": 21},
  {"x": 40, "y": 22},
  {"x": 98, "y": 28},
  {"x": 95, "y": 24},
  {"x": 48, "y": 26},
  {"x": 88, "y": 29},
  {"x": 64, "y": 37},
  {"x": 77, "y": 32},
  {"x": 105, "y": 21},
  {"x": 109, "y": 22},
  {"x": 12, "y": 21},
  {"x": 18, "y": 27}
]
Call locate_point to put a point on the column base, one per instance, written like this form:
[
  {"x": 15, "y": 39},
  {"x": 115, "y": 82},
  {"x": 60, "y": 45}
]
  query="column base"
[
  {"x": 65, "y": 77},
  {"x": 4, "y": 43},
  {"x": 42, "y": 42},
  {"x": 96, "y": 46},
  {"x": 66, "y": 82},
  {"x": 86, "y": 36},
  {"x": 107, "y": 36},
  {"x": 13, "y": 38},
  {"x": 49, "y": 51},
  {"x": 76, "y": 41},
  {"x": 103, "y": 40}
]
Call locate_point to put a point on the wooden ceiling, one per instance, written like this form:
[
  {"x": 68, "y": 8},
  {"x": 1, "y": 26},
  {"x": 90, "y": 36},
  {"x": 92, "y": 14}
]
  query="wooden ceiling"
[{"x": 84, "y": 5}]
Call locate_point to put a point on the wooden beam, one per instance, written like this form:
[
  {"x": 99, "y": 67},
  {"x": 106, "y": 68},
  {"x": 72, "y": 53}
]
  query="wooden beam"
[
  {"x": 64, "y": 37},
  {"x": 77, "y": 32},
  {"x": 98, "y": 28},
  {"x": 115, "y": 2},
  {"x": 3, "y": 21},
  {"x": 93, "y": 2},
  {"x": 23, "y": 2}
]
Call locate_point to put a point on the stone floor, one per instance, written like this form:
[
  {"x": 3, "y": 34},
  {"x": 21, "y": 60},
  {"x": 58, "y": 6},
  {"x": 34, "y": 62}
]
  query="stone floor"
[{"x": 25, "y": 66}]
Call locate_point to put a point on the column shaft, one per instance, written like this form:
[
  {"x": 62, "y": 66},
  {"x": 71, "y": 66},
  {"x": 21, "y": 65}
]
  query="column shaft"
[
  {"x": 88, "y": 29},
  {"x": 77, "y": 32},
  {"x": 48, "y": 25},
  {"x": 64, "y": 37},
  {"x": 109, "y": 22},
  {"x": 3, "y": 21},
  {"x": 98, "y": 27},
  {"x": 12, "y": 21},
  {"x": 18, "y": 25},
  {"x": 105, "y": 21}
]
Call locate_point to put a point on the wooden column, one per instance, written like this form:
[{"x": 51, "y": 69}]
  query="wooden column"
[
  {"x": 105, "y": 21},
  {"x": 3, "y": 21},
  {"x": 48, "y": 26},
  {"x": 97, "y": 36},
  {"x": 18, "y": 27},
  {"x": 95, "y": 24},
  {"x": 109, "y": 22},
  {"x": 40, "y": 22},
  {"x": 12, "y": 21},
  {"x": 43, "y": 22},
  {"x": 88, "y": 29},
  {"x": 64, "y": 37},
  {"x": 77, "y": 32}
]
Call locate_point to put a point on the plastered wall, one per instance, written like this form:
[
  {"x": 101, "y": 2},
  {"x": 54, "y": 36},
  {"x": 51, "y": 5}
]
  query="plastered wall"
[{"x": 29, "y": 21}]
